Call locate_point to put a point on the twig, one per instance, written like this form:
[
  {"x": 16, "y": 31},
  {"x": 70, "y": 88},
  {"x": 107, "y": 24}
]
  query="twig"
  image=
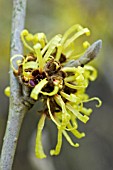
[
  {"x": 89, "y": 55},
  {"x": 17, "y": 109}
]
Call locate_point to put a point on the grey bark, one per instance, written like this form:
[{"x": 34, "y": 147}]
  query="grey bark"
[{"x": 17, "y": 108}]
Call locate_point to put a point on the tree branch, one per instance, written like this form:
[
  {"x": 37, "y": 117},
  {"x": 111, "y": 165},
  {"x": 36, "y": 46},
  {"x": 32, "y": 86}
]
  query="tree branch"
[{"x": 17, "y": 108}]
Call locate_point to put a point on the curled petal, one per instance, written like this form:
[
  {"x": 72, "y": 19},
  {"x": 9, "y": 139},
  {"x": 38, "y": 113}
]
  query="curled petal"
[
  {"x": 65, "y": 114},
  {"x": 94, "y": 98},
  {"x": 60, "y": 102},
  {"x": 71, "y": 97},
  {"x": 71, "y": 56},
  {"x": 36, "y": 90},
  {"x": 53, "y": 44},
  {"x": 70, "y": 78},
  {"x": 74, "y": 28},
  {"x": 69, "y": 69},
  {"x": 39, "y": 56},
  {"x": 55, "y": 91},
  {"x": 25, "y": 34},
  {"x": 15, "y": 57},
  {"x": 75, "y": 86},
  {"x": 40, "y": 38},
  {"x": 92, "y": 76},
  {"x": 74, "y": 120},
  {"x": 59, "y": 50},
  {"x": 56, "y": 151},
  {"x": 38, "y": 148},
  {"x": 84, "y": 118},
  {"x": 50, "y": 42},
  {"x": 75, "y": 132},
  {"x": 30, "y": 64},
  {"x": 76, "y": 35},
  {"x": 69, "y": 139},
  {"x": 51, "y": 116},
  {"x": 85, "y": 111}
]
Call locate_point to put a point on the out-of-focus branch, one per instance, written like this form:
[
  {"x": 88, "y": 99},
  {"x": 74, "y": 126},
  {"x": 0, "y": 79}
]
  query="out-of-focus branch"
[{"x": 17, "y": 108}]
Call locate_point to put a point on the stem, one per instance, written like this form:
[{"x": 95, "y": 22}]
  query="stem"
[{"x": 17, "y": 108}]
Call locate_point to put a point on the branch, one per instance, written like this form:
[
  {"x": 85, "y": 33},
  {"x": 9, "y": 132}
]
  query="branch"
[
  {"x": 89, "y": 55},
  {"x": 17, "y": 108}
]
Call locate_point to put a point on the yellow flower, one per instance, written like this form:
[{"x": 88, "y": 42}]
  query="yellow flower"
[{"x": 46, "y": 72}]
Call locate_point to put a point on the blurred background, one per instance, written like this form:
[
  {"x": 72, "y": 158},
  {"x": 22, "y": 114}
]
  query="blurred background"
[{"x": 53, "y": 17}]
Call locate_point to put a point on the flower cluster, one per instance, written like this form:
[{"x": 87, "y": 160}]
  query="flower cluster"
[{"x": 45, "y": 71}]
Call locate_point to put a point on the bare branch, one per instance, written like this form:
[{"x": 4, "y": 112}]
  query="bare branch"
[{"x": 17, "y": 109}]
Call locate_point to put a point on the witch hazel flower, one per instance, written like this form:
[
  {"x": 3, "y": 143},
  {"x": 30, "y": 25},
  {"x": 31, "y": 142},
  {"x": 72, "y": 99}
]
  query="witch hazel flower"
[{"x": 53, "y": 72}]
